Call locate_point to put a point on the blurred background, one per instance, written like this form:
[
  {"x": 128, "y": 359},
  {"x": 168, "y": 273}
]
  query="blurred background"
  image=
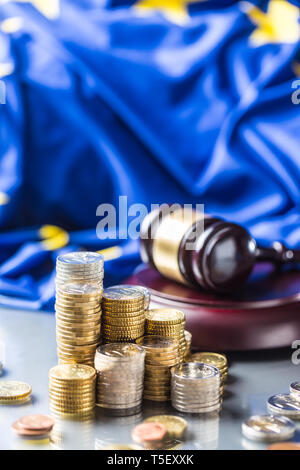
[{"x": 161, "y": 101}]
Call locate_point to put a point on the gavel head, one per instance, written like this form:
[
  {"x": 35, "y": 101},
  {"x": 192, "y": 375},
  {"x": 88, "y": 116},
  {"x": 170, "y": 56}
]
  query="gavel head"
[{"x": 196, "y": 249}]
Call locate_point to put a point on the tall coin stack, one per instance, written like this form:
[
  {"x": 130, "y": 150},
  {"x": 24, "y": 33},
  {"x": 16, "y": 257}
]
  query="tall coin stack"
[
  {"x": 195, "y": 388},
  {"x": 120, "y": 377},
  {"x": 167, "y": 322},
  {"x": 214, "y": 359},
  {"x": 161, "y": 354},
  {"x": 123, "y": 318},
  {"x": 79, "y": 288},
  {"x": 72, "y": 389}
]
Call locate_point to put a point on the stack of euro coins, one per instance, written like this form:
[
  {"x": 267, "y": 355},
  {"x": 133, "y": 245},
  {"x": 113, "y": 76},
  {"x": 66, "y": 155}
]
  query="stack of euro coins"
[
  {"x": 120, "y": 378},
  {"x": 79, "y": 288},
  {"x": 167, "y": 322},
  {"x": 216, "y": 360},
  {"x": 72, "y": 389},
  {"x": 188, "y": 344},
  {"x": 161, "y": 355},
  {"x": 195, "y": 388},
  {"x": 123, "y": 318}
]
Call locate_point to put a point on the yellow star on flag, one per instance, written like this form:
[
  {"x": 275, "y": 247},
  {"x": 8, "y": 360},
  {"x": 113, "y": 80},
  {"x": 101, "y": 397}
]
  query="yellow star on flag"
[
  {"x": 11, "y": 25},
  {"x": 174, "y": 10},
  {"x": 49, "y": 8},
  {"x": 4, "y": 198},
  {"x": 280, "y": 24},
  {"x": 6, "y": 69}
]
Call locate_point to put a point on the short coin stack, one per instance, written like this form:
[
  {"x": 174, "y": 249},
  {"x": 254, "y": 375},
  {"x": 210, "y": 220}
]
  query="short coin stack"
[
  {"x": 167, "y": 322},
  {"x": 123, "y": 317},
  {"x": 161, "y": 355},
  {"x": 79, "y": 287},
  {"x": 213, "y": 359},
  {"x": 72, "y": 389},
  {"x": 14, "y": 392},
  {"x": 195, "y": 388},
  {"x": 120, "y": 377}
]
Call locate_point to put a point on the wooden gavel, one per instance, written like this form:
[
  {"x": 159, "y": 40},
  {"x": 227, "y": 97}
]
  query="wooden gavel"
[{"x": 195, "y": 249}]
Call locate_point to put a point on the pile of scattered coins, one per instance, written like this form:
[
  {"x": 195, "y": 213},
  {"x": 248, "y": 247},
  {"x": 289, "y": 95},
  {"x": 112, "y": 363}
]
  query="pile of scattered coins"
[
  {"x": 279, "y": 425},
  {"x": 161, "y": 355},
  {"x": 167, "y": 322},
  {"x": 195, "y": 388},
  {"x": 120, "y": 377},
  {"x": 79, "y": 287},
  {"x": 123, "y": 314},
  {"x": 72, "y": 389}
]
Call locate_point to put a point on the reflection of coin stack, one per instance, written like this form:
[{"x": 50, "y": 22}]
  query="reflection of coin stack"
[
  {"x": 72, "y": 389},
  {"x": 123, "y": 314},
  {"x": 204, "y": 430},
  {"x": 188, "y": 344},
  {"x": 195, "y": 388},
  {"x": 104, "y": 437},
  {"x": 120, "y": 377},
  {"x": 167, "y": 322},
  {"x": 73, "y": 434},
  {"x": 78, "y": 306},
  {"x": 161, "y": 355},
  {"x": 214, "y": 359}
]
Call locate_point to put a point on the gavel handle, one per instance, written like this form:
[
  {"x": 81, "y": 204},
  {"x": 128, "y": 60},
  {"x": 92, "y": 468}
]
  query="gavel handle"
[{"x": 277, "y": 253}]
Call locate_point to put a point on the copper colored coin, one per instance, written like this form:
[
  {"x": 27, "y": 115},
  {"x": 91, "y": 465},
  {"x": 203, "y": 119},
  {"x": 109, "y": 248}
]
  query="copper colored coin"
[
  {"x": 149, "y": 432},
  {"x": 36, "y": 422},
  {"x": 18, "y": 428},
  {"x": 284, "y": 446}
]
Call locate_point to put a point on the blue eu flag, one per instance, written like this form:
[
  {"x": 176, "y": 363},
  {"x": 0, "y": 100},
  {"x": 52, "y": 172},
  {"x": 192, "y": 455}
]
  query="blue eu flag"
[{"x": 157, "y": 100}]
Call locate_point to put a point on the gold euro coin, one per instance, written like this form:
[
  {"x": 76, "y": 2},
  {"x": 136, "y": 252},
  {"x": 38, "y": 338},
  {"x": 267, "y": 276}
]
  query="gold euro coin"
[
  {"x": 123, "y": 294},
  {"x": 12, "y": 390},
  {"x": 214, "y": 359},
  {"x": 72, "y": 373},
  {"x": 168, "y": 316}
]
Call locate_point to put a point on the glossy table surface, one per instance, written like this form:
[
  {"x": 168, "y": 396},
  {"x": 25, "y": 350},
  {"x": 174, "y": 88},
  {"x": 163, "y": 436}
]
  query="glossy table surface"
[{"x": 28, "y": 350}]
